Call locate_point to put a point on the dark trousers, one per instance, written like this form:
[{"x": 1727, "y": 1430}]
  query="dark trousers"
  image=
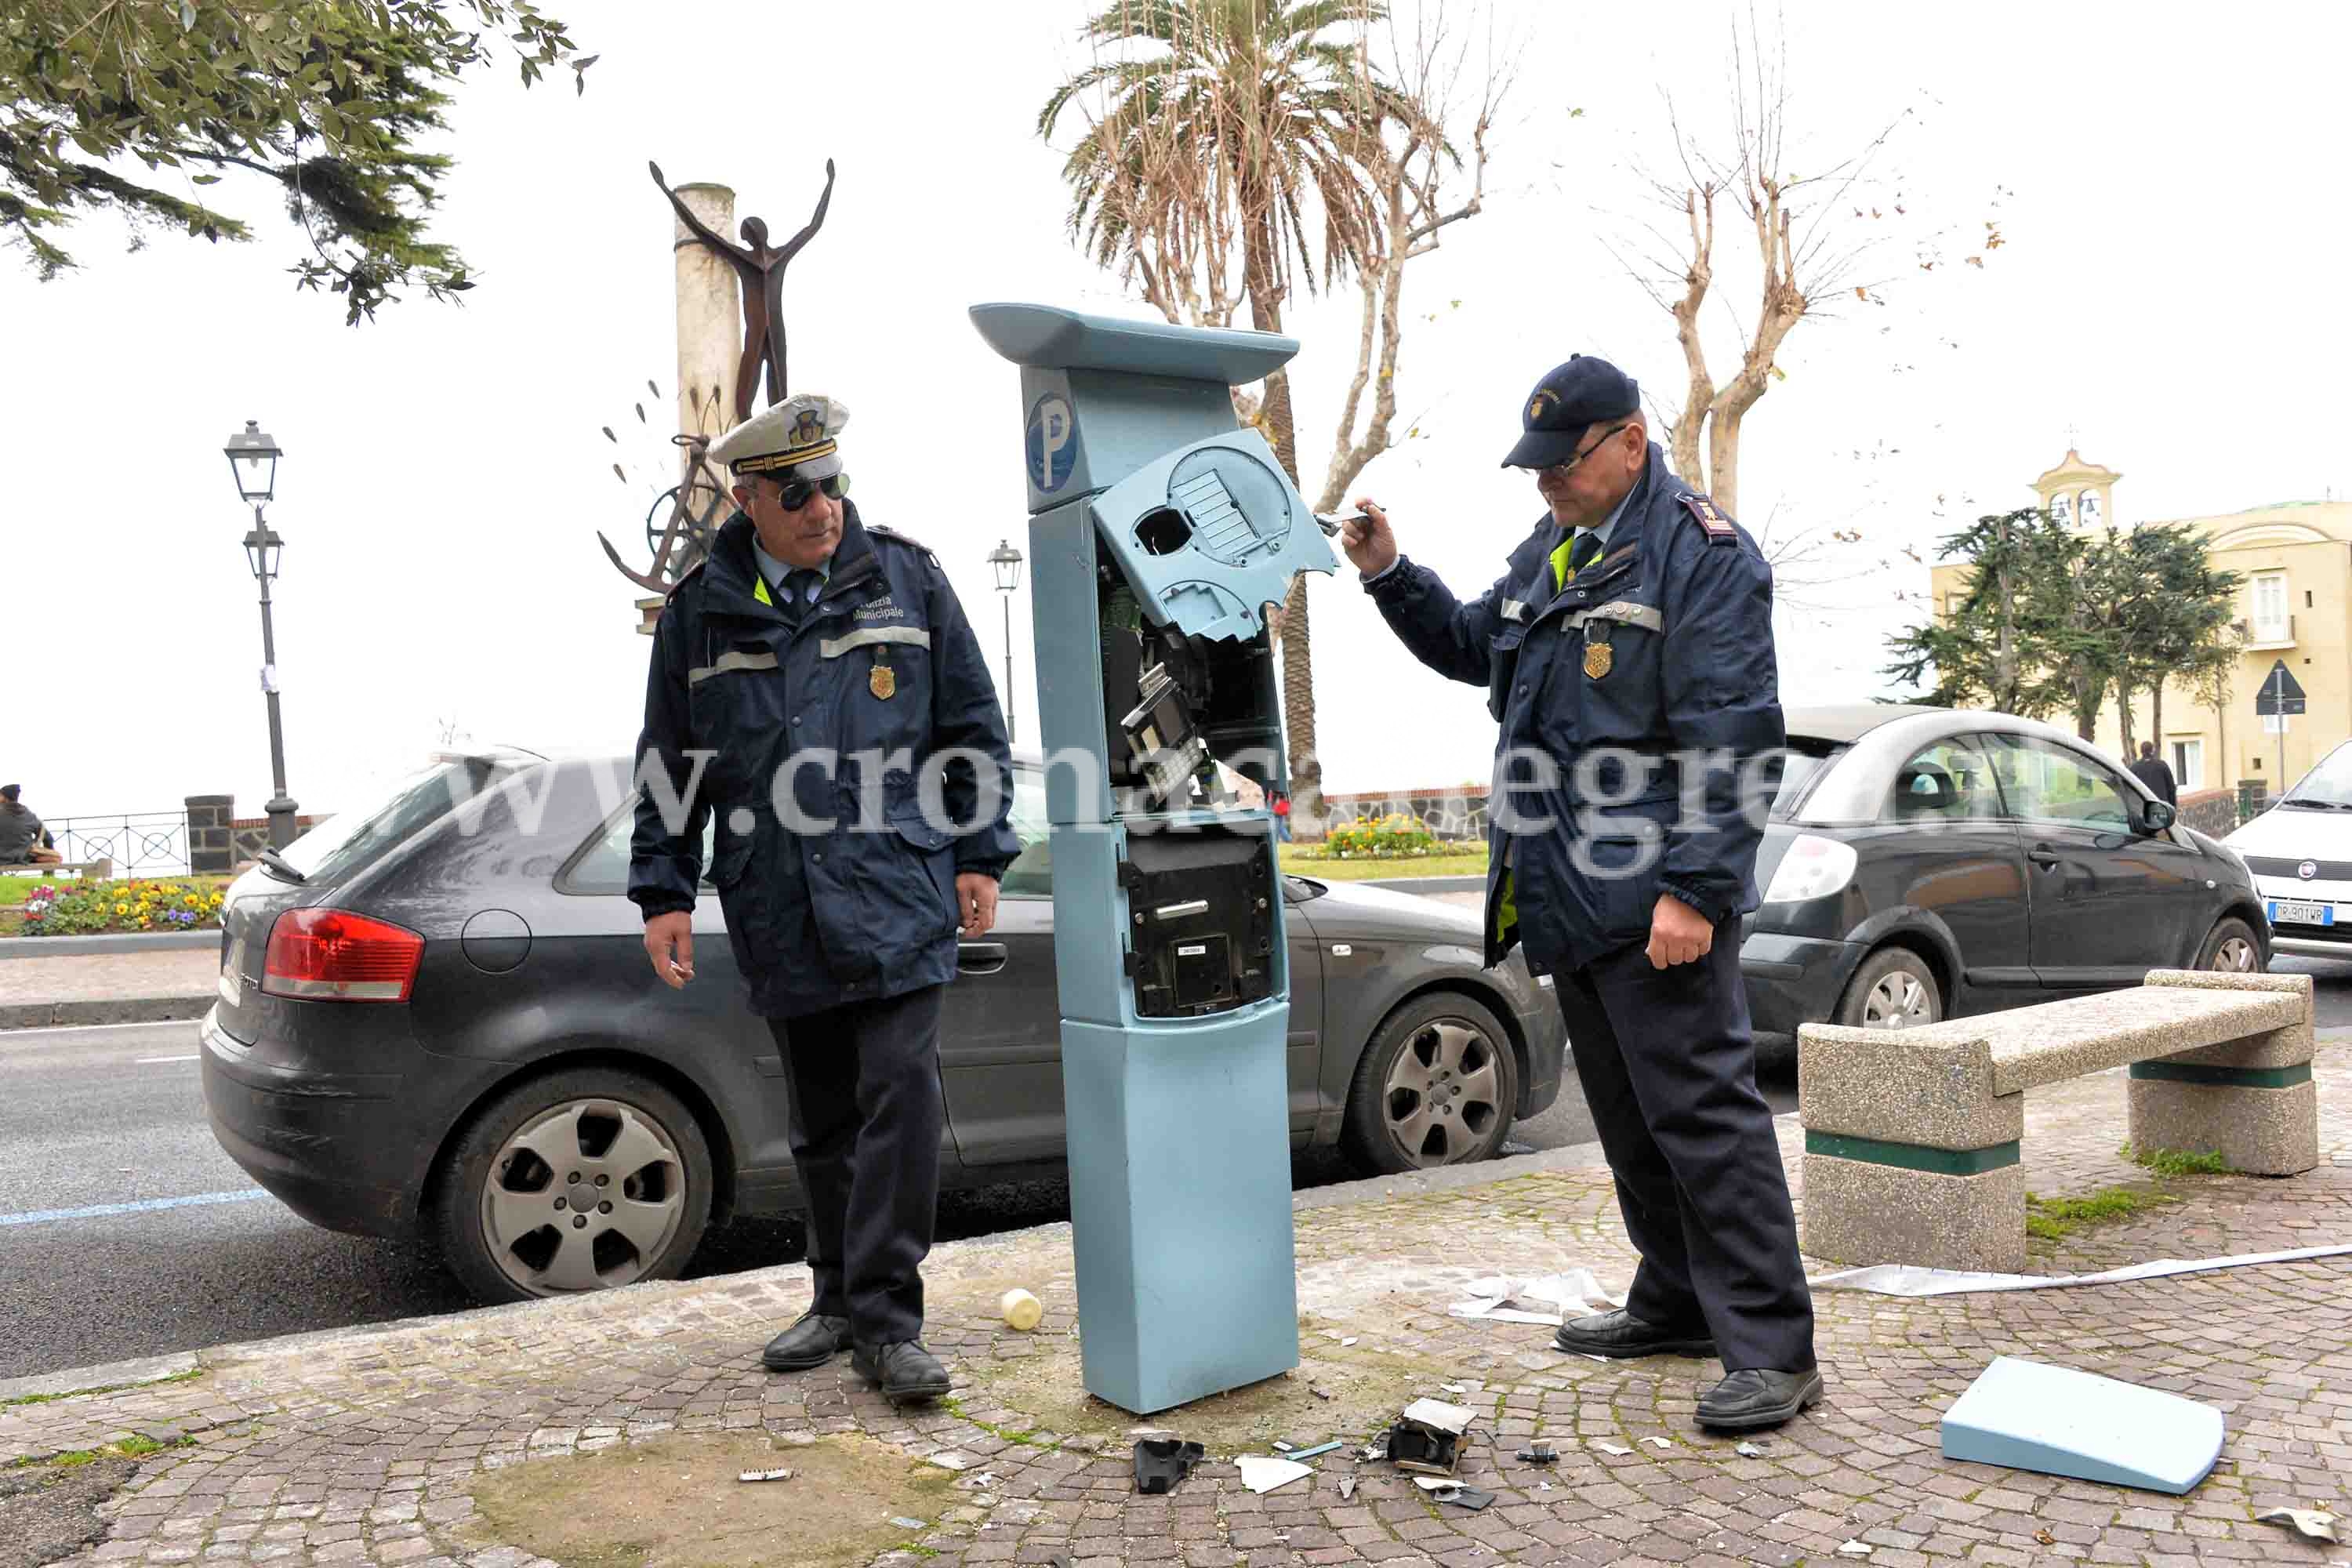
[
  {"x": 1668, "y": 1064},
  {"x": 867, "y": 1115}
]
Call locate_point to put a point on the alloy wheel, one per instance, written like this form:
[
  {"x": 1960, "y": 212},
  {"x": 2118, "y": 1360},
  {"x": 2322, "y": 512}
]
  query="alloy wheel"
[
  {"x": 583, "y": 1196},
  {"x": 1443, "y": 1093},
  {"x": 2236, "y": 956},
  {"x": 1897, "y": 1001}
]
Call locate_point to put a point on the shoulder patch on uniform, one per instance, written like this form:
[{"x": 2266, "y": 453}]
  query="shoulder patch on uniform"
[
  {"x": 1708, "y": 516},
  {"x": 690, "y": 573},
  {"x": 893, "y": 535}
]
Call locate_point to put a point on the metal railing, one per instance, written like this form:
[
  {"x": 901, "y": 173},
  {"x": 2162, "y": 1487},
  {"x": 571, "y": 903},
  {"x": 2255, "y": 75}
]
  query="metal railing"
[{"x": 140, "y": 844}]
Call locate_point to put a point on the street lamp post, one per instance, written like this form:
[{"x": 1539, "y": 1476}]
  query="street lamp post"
[
  {"x": 253, "y": 463},
  {"x": 1005, "y": 561}
]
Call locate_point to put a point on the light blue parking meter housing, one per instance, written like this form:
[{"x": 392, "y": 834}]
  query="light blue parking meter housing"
[{"x": 1160, "y": 532}]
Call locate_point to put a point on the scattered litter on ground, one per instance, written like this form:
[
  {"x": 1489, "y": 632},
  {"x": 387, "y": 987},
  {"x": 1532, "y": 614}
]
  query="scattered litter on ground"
[
  {"x": 1427, "y": 1436},
  {"x": 1455, "y": 1387},
  {"x": 1346, "y": 1487},
  {"x": 1602, "y": 1359},
  {"x": 1659, "y": 1442},
  {"x": 1453, "y": 1492},
  {"x": 1280, "y": 1447},
  {"x": 1330, "y": 1447},
  {"x": 1748, "y": 1451},
  {"x": 1611, "y": 1448},
  {"x": 1543, "y": 1485},
  {"x": 2043, "y": 1537},
  {"x": 765, "y": 1476},
  {"x": 1540, "y": 1454},
  {"x": 1262, "y": 1474},
  {"x": 1320, "y": 1393},
  {"x": 1020, "y": 1310},
  {"x": 950, "y": 1461},
  {"x": 2311, "y": 1524},
  {"x": 1856, "y": 1549},
  {"x": 981, "y": 1482},
  {"x": 1907, "y": 1280},
  {"x": 1161, "y": 1462},
  {"x": 903, "y": 1522},
  {"x": 1346, "y": 1342},
  {"x": 1554, "y": 1299}
]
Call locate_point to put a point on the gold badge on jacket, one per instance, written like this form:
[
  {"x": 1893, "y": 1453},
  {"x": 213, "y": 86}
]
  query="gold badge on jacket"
[
  {"x": 1597, "y": 659},
  {"x": 883, "y": 681}
]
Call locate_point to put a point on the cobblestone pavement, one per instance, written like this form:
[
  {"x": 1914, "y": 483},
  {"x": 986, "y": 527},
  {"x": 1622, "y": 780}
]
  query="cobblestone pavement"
[{"x": 361, "y": 1448}]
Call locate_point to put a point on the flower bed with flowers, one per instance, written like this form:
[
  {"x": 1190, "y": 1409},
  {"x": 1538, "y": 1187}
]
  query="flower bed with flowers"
[
  {"x": 1396, "y": 836},
  {"x": 76, "y": 909}
]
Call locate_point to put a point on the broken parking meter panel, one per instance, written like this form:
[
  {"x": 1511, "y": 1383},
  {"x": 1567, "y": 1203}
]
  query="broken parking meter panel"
[{"x": 1161, "y": 529}]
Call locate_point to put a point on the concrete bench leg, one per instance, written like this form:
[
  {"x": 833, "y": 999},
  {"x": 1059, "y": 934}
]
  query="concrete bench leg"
[
  {"x": 2252, "y": 1101},
  {"x": 1867, "y": 1202}
]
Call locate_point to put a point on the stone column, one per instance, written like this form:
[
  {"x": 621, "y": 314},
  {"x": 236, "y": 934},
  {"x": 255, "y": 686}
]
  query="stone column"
[
  {"x": 709, "y": 315},
  {"x": 210, "y": 851}
]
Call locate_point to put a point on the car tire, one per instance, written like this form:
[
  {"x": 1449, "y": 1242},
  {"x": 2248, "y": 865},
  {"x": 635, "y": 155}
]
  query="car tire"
[
  {"x": 2232, "y": 949},
  {"x": 1894, "y": 989},
  {"x": 1437, "y": 1085},
  {"x": 510, "y": 1196}
]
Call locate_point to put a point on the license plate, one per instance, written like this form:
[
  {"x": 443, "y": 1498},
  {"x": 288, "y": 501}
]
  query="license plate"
[{"x": 2302, "y": 914}]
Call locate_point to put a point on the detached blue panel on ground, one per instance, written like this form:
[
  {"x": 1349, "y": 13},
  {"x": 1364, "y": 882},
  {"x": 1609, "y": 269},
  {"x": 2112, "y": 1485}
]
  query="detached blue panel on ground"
[{"x": 2060, "y": 1421}]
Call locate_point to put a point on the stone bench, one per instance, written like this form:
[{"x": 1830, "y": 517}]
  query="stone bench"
[{"x": 1913, "y": 1137}]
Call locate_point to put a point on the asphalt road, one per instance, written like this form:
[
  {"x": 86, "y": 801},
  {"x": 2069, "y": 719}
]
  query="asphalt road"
[{"x": 97, "y": 1119}]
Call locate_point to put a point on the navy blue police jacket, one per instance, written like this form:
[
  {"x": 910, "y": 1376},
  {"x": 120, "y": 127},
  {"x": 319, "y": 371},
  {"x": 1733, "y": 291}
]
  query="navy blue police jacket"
[
  {"x": 1587, "y": 824},
  {"x": 838, "y": 886}
]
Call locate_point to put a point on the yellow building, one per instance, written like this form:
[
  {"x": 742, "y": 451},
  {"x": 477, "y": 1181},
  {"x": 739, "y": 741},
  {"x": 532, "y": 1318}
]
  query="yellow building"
[{"x": 2294, "y": 561}]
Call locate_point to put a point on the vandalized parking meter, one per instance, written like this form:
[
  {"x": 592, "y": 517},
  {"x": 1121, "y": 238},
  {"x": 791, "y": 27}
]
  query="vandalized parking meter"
[{"x": 1160, "y": 531}]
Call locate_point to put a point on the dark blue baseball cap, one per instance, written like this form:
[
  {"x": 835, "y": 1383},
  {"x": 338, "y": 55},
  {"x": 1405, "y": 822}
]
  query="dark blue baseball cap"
[{"x": 1571, "y": 399}]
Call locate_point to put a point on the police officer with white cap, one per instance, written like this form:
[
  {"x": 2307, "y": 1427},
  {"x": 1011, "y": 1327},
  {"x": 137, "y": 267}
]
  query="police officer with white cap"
[
  {"x": 858, "y": 769},
  {"x": 1627, "y": 654}
]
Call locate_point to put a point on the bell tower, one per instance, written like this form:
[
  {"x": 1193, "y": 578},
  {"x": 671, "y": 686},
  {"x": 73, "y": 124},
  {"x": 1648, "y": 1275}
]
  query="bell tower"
[{"x": 2079, "y": 494}]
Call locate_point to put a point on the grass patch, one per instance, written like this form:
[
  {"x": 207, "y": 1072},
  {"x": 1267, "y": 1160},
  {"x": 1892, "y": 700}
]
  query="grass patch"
[
  {"x": 190, "y": 1375},
  {"x": 674, "y": 1502},
  {"x": 1307, "y": 860},
  {"x": 135, "y": 1447},
  {"x": 2052, "y": 1219},
  {"x": 2178, "y": 1162}
]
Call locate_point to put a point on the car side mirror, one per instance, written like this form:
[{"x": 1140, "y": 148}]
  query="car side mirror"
[{"x": 2158, "y": 817}]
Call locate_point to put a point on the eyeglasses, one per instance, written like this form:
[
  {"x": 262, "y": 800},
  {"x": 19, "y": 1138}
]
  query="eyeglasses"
[
  {"x": 797, "y": 493},
  {"x": 1560, "y": 470}
]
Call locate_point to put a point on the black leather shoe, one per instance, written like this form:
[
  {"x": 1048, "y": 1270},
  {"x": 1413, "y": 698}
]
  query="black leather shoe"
[
  {"x": 811, "y": 1341},
  {"x": 904, "y": 1371},
  {"x": 1754, "y": 1398},
  {"x": 1620, "y": 1333}
]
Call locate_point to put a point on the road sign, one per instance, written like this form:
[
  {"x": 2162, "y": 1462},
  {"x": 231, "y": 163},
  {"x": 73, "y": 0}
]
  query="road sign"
[{"x": 2279, "y": 693}]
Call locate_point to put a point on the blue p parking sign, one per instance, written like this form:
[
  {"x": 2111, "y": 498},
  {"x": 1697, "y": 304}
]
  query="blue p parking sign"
[{"x": 1053, "y": 442}]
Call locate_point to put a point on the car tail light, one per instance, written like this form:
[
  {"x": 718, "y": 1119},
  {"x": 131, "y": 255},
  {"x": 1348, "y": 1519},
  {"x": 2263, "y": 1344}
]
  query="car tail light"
[
  {"x": 1814, "y": 868},
  {"x": 333, "y": 955}
]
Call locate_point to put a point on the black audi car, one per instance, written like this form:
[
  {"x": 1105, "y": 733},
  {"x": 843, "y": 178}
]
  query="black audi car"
[
  {"x": 1924, "y": 863},
  {"x": 440, "y": 1019}
]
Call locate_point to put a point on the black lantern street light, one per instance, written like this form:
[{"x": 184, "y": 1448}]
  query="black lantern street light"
[
  {"x": 253, "y": 461},
  {"x": 1005, "y": 561}
]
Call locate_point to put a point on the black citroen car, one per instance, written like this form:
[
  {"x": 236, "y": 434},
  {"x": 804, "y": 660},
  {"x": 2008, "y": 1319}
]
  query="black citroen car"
[
  {"x": 1924, "y": 863},
  {"x": 438, "y": 1018}
]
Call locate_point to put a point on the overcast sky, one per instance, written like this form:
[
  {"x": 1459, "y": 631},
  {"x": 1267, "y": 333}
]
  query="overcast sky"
[{"x": 2163, "y": 287}]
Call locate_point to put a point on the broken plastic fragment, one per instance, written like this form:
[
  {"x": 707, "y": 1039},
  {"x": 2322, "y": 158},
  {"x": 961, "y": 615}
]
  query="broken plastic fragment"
[
  {"x": 1161, "y": 1462},
  {"x": 2312, "y": 1523},
  {"x": 1748, "y": 1451},
  {"x": 1438, "y": 1414},
  {"x": 1855, "y": 1549},
  {"x": 1611, "y": 1448},
  {"x": 1346, "y": 1487},
  {"x": 765, "y": 1476},
  {"x": 1659, "y": 1442},
  {"x": 1346, "y": 1342},
  {"x": 903, "y": 1522},
  {"x": 1455, "y": 1387},
  {"x": 1262, "y": 1474},
  {"x": 1331, "y": 1446},
  {"x": 1280, "y": 1447},
  {"x": 1320, "y": 1393},
  {"x": 1540, "y": 1454}
]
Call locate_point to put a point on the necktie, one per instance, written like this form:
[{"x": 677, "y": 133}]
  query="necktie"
[
  {"x": 1572, "y": 556},
  {"x": 800, "y": 586}
]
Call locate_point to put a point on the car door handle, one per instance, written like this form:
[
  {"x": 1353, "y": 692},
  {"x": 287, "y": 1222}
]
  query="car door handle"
[
  {"x": 2043, "y": 856},
  {"x": 980, "y": 957}
]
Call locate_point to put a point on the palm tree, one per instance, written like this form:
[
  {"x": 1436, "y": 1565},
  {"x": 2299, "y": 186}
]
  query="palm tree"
[{"x": 1234, "y": 129}]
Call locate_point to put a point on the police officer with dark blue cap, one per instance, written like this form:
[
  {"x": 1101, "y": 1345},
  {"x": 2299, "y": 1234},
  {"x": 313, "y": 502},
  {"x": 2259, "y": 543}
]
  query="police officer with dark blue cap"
[
  {"x": 817, "y": 677},
  {"x": 1627, "y": 654}
]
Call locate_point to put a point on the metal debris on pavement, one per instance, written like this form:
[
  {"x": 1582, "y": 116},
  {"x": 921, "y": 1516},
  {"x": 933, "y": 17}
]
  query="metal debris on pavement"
[
  {"x": 765, "y": 1476},
  {"x": 1427, "y": 1436},
  {"x": 2312, "y": 1523},
  {"x": 1540, "y": 1454}
]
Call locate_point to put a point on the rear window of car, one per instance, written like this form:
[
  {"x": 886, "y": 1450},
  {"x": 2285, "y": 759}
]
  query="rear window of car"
[
  {"x": 1806, "y": 760},
  {"x": 349, "y": 839}
]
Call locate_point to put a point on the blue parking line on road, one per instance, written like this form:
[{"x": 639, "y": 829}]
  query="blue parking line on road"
[{"x": 99, "y": 1211}]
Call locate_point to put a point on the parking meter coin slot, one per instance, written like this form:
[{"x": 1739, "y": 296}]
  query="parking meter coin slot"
[
  {"x": 1203, "y": 941},
  {"x": 1163, "y": 532}
]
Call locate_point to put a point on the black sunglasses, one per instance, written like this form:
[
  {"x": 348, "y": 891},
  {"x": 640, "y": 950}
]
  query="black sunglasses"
[
  {"x": 797, "y": 493},
  {"x": 1562, "y": 468}
]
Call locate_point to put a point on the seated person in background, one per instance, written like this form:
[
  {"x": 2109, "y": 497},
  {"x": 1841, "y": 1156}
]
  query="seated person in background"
[{"x": 21, "y": 838}]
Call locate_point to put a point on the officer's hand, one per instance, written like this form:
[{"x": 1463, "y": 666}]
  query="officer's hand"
[
  {"x": 976, "y": 902},
  {"x": 670, "y": 943},
  {"x": 1678, "y": 933},
  {"x": 1369, "y": 544}
]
